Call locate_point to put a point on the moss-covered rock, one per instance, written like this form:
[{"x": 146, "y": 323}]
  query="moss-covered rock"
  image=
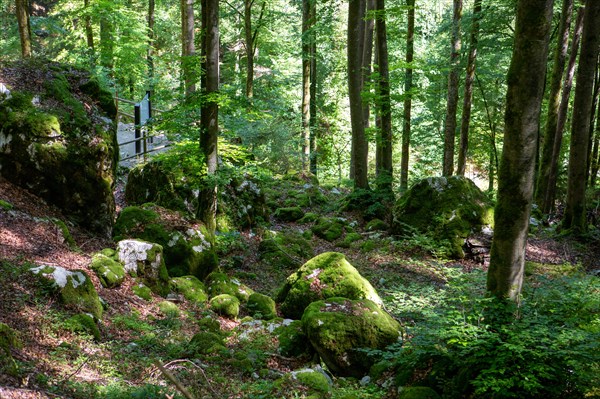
[
  {"x": 447, "y": 209},
  {"x": 377, "y": 224},
  {"x": 208, "y": 323},
  {"x": 169, "y": 309},
  {"x": 261, "y": 306},
  {"x": 285, "y": 249},
  {"x": 329, "y": 229},
  {"x": 5, "y": 205},
  {"x": 348, "y": 240},
  {"x": 309, "y": 217},
  {"x": 102, "y": 96},
  {"x": 219, "y": 283},
  {"x": 204, "y": 343},
  {"x": 66, "y": 234},
  {"x": 316, "y": 381},
  {"x": 74, "y": 288},
  {"x": 324, "y": 276},
  {"x": 151, "y": 182},
  {"x": 417, "y": 393},
  {"x": 110, "y": 272},
  {"x": 185, "y": 246},
  {"x": 54, "y": 146},
  {"x": 290, "y": 214},
  {"x": 145, "y": 260},
  {"x": 8, "y": 341},
  {"x": 293, "y": 341},
  {"x": 338, "y": 327},
  {"x": 83, "y": 323},
  {"x": 226, "y": 305},
  {"x": 142, "y": 291},
  {"x": 190, "y": 287}
]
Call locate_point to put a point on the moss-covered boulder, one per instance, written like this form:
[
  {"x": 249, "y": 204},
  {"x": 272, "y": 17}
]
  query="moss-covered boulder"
[
  {"x": 190, "y": 287},
  {"x": 417, "y": 393},
  {"x": 142, "y": 291},
  {"x": 169, "y": 309},
  {"x": 261, "y": 306},
  {"x": 83, "y": 323},
  {"x": 145, "y": 260},
  {"x": 53, "y": 145},
  {"x": 8, "y": 341},
  {"x": 185, "y": 245},
  {"x": 74, "y": 288},
  {"x": 204, "y": 343},
  {"x": 338, "y": 328},
  {"x": 316, "y": 381},
  {"x": 110, "y": 272},
  {"x": 284, "y": 249},
  {"x": 447, "y": 209},
  {"x": 226, "y": 305},
  {"x": 324, "y": 276},
  {"x": 330, "y": 229},
  {"x": 292, "y": 340},
  {"x": 218, "y": 283},
  {"x": 290, "y": 214}
]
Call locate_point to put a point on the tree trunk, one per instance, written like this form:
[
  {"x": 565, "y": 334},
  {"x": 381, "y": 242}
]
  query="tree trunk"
[
  {"x": 313, "y": 90},
  {"x": 306, "y": 72},
  {"x": 24, "y": 29},
  {"x": 89, "y": 33},
  {"x": 359, "y": 150},
  {"x": 367, "y": 58},
  {"x": 106, "y": 42},
  {"x": 549, "y": 195},
  {"x": 575, "y": 217},
  {"x": 521, "y": 125},
  {"x": 249, "y": 48},
  {"x": 407, "y": 95},
  {"x": 596, "y": 151},
  {"x": 187, "y": 46},
  {"x": 387, "y": 168},
  {"x": 151, "y": 44},
  {"x": 209, "y": 118},
  {"x": 596, "y": 94},
  {"x": 450, "y": 124},
  {"x": 554, "y": 101},
  {"x": 468, "y": 96}
]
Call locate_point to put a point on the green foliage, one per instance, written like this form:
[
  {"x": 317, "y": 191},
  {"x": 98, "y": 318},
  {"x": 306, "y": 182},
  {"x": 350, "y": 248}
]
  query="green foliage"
[
  {"x": 83, "y": 323},
  {"x": 5, "y": 205}
]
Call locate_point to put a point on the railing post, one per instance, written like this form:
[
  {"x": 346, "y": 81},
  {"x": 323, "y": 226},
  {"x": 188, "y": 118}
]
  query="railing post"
[{"x": 138, "y": 127}]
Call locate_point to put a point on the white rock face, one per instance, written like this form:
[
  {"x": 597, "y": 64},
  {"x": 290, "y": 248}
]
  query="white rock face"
[
  {"x": 60, "y": 275},
  {"x": 132, "y": 251}
]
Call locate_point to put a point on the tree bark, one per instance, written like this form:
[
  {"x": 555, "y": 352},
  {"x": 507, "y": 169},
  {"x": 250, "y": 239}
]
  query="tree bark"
[
  {"x": 521, "y": 124},
  {"x": 452, "y": 103},
  {"x": 209, "y": 117},
  {"x": 306, "y": 82},
  {"x": 549, "y": 195},
  {"x": 89, "y": 33},
  {"x": 596, "y": 151},
  {"x": 468, "y": 96},
  {"x": 359, "y": 150},
  {"x": 151, "y": 44},
  {"x": 107, "y": 42},
  {"x": 387, "y": 168},
  {"x": 575, "y": 217},
  {"x": 313, "y": 91},
  {"x": 408, "y": 78},
  {"x": 187, "y": 46},
  {"x": 554, "y": 100},
  {"x": 22, "y": 12}
]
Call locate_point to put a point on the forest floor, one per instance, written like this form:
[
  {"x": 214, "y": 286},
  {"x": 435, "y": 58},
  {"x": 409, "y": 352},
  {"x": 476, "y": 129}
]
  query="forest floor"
[{"x": 58, "y": 363}]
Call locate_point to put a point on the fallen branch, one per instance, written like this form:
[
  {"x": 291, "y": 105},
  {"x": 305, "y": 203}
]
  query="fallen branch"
[{"x": 174, "y": 380}]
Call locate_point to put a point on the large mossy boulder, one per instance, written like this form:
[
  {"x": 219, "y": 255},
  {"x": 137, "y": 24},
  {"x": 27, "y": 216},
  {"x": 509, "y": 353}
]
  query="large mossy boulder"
[
  {"x": 58, "y": 141},
  {"x": 339, "y": 329},
  {"x": 219, "y": 283},
  {"x": 447, "y": 209},
  {"x": 110, "y": 272},
  {"x": 261, "y": 306},
  {"x": 324, "y": 276},
  {"x": 285, "y": 249},
  {"x": 190, "y": 287},
  {"x": 73, "y": 287},
  {"x": 145, "y": 260},
  {"x": 185, "y": 245}
]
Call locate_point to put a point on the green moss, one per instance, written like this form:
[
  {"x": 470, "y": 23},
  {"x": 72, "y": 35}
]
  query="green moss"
[
  {"x": 314, "y": 380},
  {"x": 169, "y": 309},
  {"x": 261, "y": 306},
  {"x": 102, "y": 95},
  {"x": 59, "y": 88},
  {"x": 110, "y": 272},
  {"x": 204, "y": 343},
  {"x": 285, "y": 249},
  {"x": 7, "y": 206},
  {"x": 337, "y": 327},
  {"x": 8, "y": 340},
  {"x": 80, "y": 293},
  {"x": 226, "y": 305},
  {"x": 418, "y": 393},
  {"x": 109, "y": 252},
  {"x": 190, "y": 287},
  {"x": 290, "y": 214},
  {"x": 553, "y": 270},
  {"x": 83, "y": 323},
  {"x": 131, "y": 220},
  {"x": 325, "y": 276},
  {"x": 309, "y": 217},
  {"x": 377, "y": 224},
  {"x": 293, "y": 342},
  {"x": 329, "y": 229},
  {"x": 348, "y": 240},
  {"x": 142, "y": 291},
  {"x": 62, "y": 226},
  {"x": 209, "y": 324},
  {"x": 219, "y": 283}
]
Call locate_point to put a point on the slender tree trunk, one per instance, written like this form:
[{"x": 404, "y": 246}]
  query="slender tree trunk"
[
  {"x": 355, "y": 52},
  {"x": 408, "y": 78},
  {"x": 450, "y": 124},
  {"x": 521, "y": 125},
  {"x": 367, "y": 58},
  {"x": 209, "y": 119},
  {"x": 575, "y": 217},
  {"x": 549, "y": 195},
  {"x": 24, "y": 29},
  {"x": 187, "y": 46},
  {"x": 387, "y": 167},
  {"x": 306, "y": 64},
  {"x": 249, "y": 48},
  {"x": 89, "y": 33},
  {"x": 468, "y": 96},
  {"x": 596, "y": 151},
  {"x": 313, "y": 91},
  {"x": 107, "y": 42},
  {"x": 592, "y": 118},
  {"x": 151, "y": 44},
  {"x": 554, "y": 100}
]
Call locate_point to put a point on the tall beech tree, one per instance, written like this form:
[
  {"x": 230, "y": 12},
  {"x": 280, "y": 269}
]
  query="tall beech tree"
[
  {"x": 452, "y": 97},
  {"x": 187, "y": 46},
  {"x": 250, "y": 42},
  {"x": 408, "y": 78},
  {"x": 386, "y": 171},
  {"x": 209, "y": 114},
  {"x": 22, "y": 12},
  {"x": 558, "y": 69},
  {"x": 595, "y": 162},
  {"x": 307, "y": 73},
  {"x": 521, "y": 124},
  {"x": 575, "y": 215},
  {"x": 468, "y": 96},
  {"x": 359, "y": 152}
]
